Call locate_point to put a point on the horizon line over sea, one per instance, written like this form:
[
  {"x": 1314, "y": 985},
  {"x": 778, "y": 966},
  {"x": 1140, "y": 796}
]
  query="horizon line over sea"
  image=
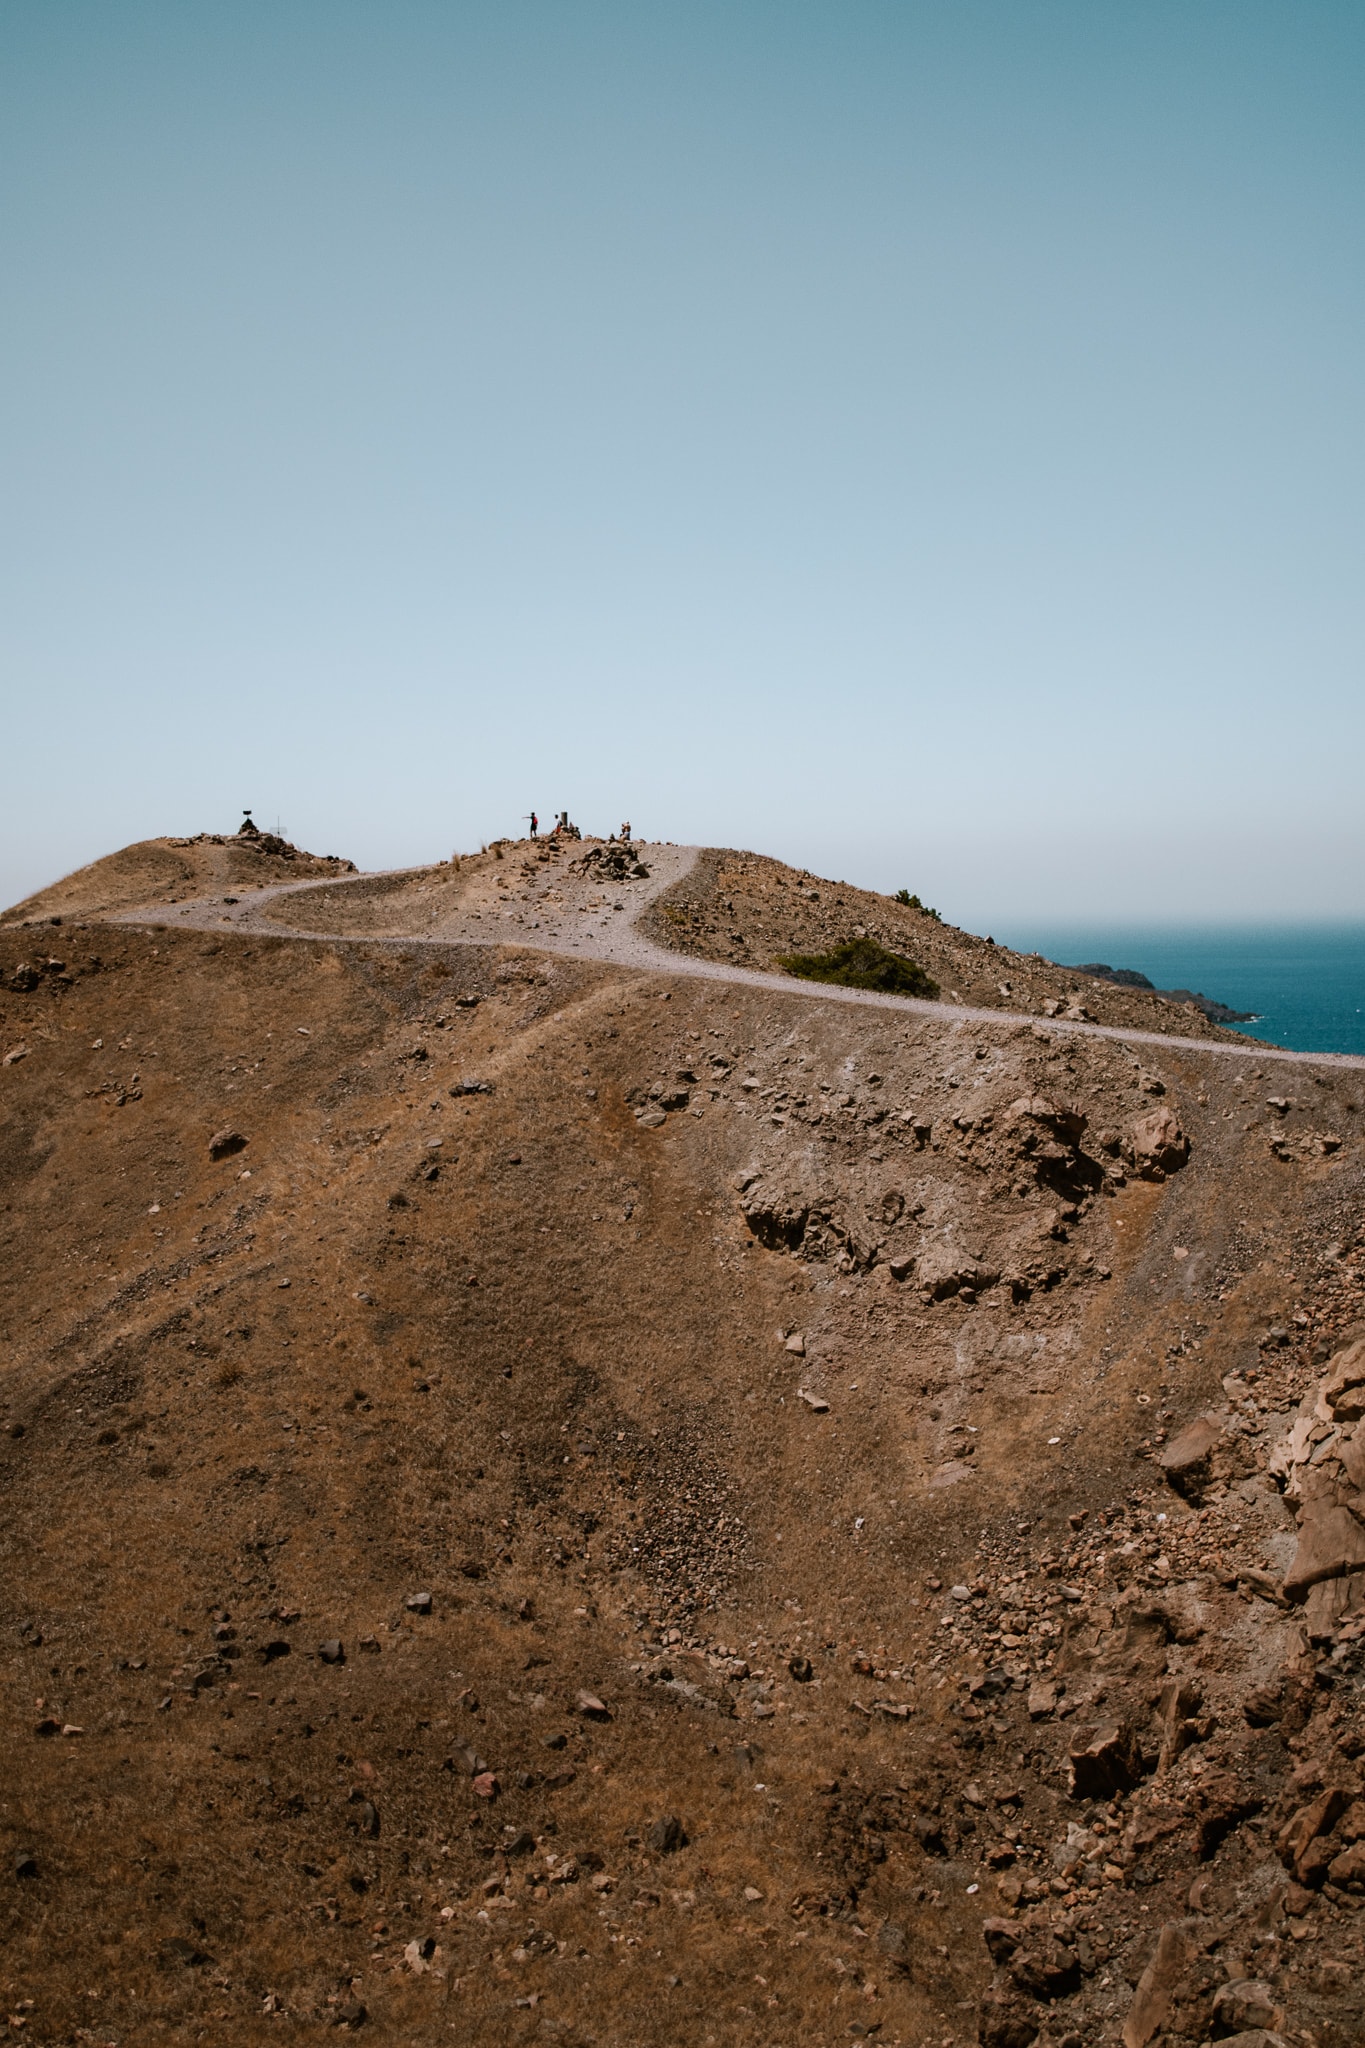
[{"x": 1304, "y": 983}]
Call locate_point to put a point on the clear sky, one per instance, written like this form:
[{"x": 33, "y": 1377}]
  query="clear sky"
[{"x": 923, "y": 441}]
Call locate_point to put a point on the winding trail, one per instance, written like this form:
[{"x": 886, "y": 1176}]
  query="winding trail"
[{"x": 586, "y": 919}]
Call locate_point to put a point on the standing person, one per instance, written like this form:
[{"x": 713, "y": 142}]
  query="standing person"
[
  {"x": 625, "y": 831},
  {"x": 535, "y": 824}
]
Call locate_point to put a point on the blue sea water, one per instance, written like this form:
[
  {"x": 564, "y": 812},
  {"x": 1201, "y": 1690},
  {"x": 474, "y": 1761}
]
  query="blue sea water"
[{"x": 1306, "y": 983}]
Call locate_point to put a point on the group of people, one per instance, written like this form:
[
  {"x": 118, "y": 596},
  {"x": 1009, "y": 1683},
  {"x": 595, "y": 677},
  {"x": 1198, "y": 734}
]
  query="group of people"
[{"x": 562, "y": 828}]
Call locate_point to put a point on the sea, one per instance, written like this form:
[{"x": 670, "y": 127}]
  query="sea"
[{"x": 1304, "y": 983}]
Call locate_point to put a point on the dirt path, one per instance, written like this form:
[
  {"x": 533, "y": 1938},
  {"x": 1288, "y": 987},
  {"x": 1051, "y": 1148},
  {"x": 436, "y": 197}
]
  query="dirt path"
[{"x": 587, "y": 919}]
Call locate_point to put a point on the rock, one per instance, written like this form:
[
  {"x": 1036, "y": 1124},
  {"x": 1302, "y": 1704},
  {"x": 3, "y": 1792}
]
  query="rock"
[
  {"x": 353, "y": 2014},
  {"x": 1221, "y": 1801},
  {"x": 1263, "y": 1706},
  {"x": 1185, "y": 1460},
  {"x": 801, "y": 1669},
  {"x": 1042, "y": 1700},
  {"x": 418, "y": 1603},
  {"x": 485, "y": 1785},
  {"x": 1104, "y": 1761},
  {"x": 1352, "y": 1826},
  {"x": 1040, "y": 1111},
  {"x": 777, "y": 1220},
  {"x": 1246, "y": 2003},
  {"x": 331, "y": 1652},
  {"x": 893, "y": 1943},
  {"x": 1332, "y": 1602},
  {"x": 941, "y": 1270},
  {"x": 1300, "y": 1831},
  {"x": 1331, "y": 1543},
  {"x": 1045, "y": 1967},
  {"x": 1343, "y": 1390},
  {"x": 1258, "y": 2037},
  {"x": 276, "y": 1647},
  {"x": 367, "y": 1815},
  {"x": 1349, "y": 1867},
  {"x": 1157, "y": 1985},
  {"x": 1157, "y": 1144},
  {"x": 817, "y": 1403},
  {"x": 1002, "y": 1938},
  {"x": 1006, "y": 2022},
  {"x": 591, "y": 1707},
  {"x": 796, "y": 1344},
  {"x": 666, "y": 1836},
  {"x": 25, "y": 1864},
  {"x": 224, "y": 1143}
]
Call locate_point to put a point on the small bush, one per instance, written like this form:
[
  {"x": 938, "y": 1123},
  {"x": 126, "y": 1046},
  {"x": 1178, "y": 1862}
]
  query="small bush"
[
  {"x": 913, "y": 903},
  {"x": 862, "y": 963}
]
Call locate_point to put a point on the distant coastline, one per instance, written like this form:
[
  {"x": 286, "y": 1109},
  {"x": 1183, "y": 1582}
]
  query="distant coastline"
[
  {"x": 1128, "y": 977},
  {"x": 1297, "y": 986}
]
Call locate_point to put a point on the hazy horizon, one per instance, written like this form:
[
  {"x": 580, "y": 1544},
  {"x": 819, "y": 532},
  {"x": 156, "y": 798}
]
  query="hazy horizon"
[{"x": 922, "y": 442}]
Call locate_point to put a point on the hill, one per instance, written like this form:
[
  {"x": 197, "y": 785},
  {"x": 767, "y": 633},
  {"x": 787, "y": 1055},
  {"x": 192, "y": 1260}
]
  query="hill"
[{"x": 556, "y": 1497}]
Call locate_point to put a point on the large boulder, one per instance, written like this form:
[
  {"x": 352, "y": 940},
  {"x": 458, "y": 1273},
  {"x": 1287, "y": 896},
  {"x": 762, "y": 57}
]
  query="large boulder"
[{"x": 1157, "y": 1145}]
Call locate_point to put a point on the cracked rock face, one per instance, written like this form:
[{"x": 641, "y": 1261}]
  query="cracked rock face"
[{"x": 1321, "y": 1465}]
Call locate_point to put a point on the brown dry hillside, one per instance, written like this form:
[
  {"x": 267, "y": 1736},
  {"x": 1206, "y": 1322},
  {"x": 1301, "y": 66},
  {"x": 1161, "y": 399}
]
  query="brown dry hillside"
[
  {"x": 748, "y": 910},
  {"x": 549, "y": 1502},
  {"x": 165, "y": 871}
]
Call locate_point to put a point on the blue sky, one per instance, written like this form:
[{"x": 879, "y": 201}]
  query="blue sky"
[{"x": 922, "y": 441}]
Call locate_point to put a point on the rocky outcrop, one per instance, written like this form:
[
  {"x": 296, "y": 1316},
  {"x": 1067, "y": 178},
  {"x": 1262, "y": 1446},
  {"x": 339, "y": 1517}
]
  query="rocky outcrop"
[
  {"x": 1321, "y": 1467},
  {"x": 1156, "y": 1144}
]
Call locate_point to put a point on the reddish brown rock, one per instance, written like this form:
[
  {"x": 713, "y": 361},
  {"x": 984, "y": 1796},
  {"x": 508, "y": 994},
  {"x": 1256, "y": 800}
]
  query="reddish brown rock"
[
  {"x": 1103, "y": 1761},
  {"x": 1158, "y": 1984},
  {"x": 1318, "y": 1817},
  {"x": 1331, "y": 1543},
  {"x": 1185, "y": 1460},
  {"x": 1348, "y": 1868},
  {"x": 1006, "y": 2021},
  {"x": 1245, "y": 2003}
]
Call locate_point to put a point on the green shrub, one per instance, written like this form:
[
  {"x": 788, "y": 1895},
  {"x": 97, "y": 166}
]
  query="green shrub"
[
  {"x": 913, "y": 903},
  {"x": 862, "y": 963}
]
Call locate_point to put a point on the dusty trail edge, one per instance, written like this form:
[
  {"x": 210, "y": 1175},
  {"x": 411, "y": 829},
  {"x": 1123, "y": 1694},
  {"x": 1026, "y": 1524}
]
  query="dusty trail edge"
[{"x": 627, "y": 947}]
